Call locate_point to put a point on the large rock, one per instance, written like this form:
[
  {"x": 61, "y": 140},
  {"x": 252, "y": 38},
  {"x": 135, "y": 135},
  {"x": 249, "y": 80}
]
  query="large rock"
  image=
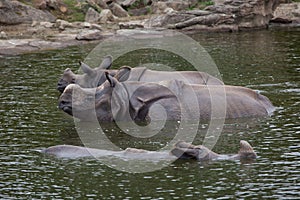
[
  {"x": 106, "y": 16},
  {"x": 229, "y": 15},
  {"x": 287, "y": 13},
  {"x": 62, "y": 24},
  {"x": 56, "y": 5},
  {"x": 14, "y": 12},
  {"x": 92, "y": 16},
  {"x": 135, "y": 3},
  {"x": 132, "y": 24},
  {"x": 159, "y": 7},
  {"x": 139, "y": 11},
  {"x": 89, "y": 35},
  {"x": 128, "y": 3},
  {"x": 101, "y": 3},
  {"x": 117, "y": 10},
  {"x": 98, "y": 3}
]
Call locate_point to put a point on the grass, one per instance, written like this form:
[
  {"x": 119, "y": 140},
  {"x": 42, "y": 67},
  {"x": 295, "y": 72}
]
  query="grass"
[
  {"x": 75, "y": 13},
  {"x": 202, "y": 4}
]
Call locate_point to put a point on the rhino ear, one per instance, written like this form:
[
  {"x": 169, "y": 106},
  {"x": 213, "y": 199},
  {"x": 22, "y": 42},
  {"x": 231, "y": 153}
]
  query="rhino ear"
[
  {"x": 123, "y": 74},
  {"x": 86, "y": 69},
  {"x": 112, "y": 81},
  {"x": 145, "y": 96},
  {"x": 106, "y": 63}
]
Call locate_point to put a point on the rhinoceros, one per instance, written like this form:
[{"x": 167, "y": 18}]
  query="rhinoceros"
[
  {"x": 181, "y": 150},
  {"x": 95, "y": 77},
  {"x": 132, "y": 100}
]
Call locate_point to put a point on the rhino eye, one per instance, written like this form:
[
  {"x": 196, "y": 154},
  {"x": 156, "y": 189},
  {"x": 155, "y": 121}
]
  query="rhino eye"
[{"x": 73, "y": 80}]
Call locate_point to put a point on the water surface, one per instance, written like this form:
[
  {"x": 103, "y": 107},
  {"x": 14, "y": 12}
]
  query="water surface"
[{"x": 267, "y": 61}]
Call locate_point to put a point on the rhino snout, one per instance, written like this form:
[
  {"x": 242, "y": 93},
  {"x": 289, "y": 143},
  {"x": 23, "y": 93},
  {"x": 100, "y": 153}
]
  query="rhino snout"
[
  {"x": 65, "y": 106},
  {"x": 62, "y": 84}
]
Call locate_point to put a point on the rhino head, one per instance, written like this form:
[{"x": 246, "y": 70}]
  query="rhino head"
[
  {"x": 202, "y": 153},
  {"x": 90, "y": 77},
  {"x": 83, "y": 103},
  {"x": 189, "y": 151},
  {"x": 116, "y": 99}
]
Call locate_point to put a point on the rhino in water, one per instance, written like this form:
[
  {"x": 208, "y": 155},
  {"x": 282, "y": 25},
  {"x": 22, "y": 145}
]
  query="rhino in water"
[
  {"x": 128, "y": 100},
  {"x": 181, "y": 150},
  {"x": 95, "y": 77}
]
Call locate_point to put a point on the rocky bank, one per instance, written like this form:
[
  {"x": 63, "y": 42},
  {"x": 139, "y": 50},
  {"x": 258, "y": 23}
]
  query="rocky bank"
[{"x": 34, "y": 25}]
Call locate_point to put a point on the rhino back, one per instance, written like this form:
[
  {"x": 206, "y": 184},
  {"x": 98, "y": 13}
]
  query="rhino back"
[
  {"x": 181, "y": 100},
  {"x": 238, "y": 101},
  {"x": 191, "y": 77},
  {"x": 247, "y": 102}
]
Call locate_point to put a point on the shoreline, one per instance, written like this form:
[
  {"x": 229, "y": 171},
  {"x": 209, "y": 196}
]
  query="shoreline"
[
  {"x": 18, "y": 46},
  {"x": 45, "y": 35}
]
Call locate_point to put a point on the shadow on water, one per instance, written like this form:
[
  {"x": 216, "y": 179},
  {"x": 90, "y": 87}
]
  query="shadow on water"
[{"x": 267, "y": 61}]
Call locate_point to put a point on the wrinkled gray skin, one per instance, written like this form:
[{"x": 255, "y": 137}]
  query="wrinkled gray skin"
[
  {"x": 123, "y": 101},
  {"x": 181, "y": 150},
  {"x": 95, "y": 77}
]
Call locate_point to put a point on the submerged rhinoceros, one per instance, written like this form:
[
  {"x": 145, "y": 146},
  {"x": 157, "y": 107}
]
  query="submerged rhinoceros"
[
  {"x": 95, "y": 77},
  {"x": 181, "y": 150},
  {"x": 129, "y": 100}
]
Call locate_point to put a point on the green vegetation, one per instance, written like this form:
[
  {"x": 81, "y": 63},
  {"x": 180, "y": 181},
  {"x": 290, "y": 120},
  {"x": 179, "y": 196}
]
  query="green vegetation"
[
  {"x": 202, "y": 4},
  {"x": 138, "y": 4},
  {"x": 76, "y": 12},
  {"x": 27, "y": 2}
]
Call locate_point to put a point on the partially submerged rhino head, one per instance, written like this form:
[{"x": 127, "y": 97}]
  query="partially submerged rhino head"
[
  {"x": 90, "y": 77},
  {"x": 115, "y": 100},
  {"x": 202, "y": 153},
  {"x": 83, "y": 102}
]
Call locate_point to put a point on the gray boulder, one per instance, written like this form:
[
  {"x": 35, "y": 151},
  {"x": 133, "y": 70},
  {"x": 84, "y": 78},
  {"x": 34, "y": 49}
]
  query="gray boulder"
[
  {"x": 56, "y": 5},
  {"x": 140, "y": 11},
  {"x": 92, "y": 16},
  {"x": 89, "y": 35},
  {"x": 101, "y": 3},
  {"x": 159, "y": 7},
  {"x": 106, "y": 16},
  {"x": 14, "y": 12},
  {"x": 224, "y": 15},
  {"x": 287, "y": 13},
  {"x": 117, "y": 10},
  {"x": 128, "y": 3}
]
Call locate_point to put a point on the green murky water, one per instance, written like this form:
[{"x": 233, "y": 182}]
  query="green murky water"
[{"x": 268, "y": 61}]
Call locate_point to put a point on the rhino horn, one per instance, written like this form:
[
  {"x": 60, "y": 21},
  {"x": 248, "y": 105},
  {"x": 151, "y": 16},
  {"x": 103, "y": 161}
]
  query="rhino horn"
[
  {"x": 86, "y": 69},
  {"x": 112, "y": 81},
  {"x": 106, "y": 63}
]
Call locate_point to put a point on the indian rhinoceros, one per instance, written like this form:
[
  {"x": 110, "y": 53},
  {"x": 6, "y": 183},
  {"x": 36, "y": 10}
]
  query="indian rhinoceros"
[
  {"x": 95, "y": 77},
  {"x": 181, "y": 150},
  {"x": 131, "y": 100}
]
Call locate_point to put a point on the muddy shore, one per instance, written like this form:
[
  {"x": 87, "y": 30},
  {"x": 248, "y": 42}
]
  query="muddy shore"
[{"x": 224, "y": 16}]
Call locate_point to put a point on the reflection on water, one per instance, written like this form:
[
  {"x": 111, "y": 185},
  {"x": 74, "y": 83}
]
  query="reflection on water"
[{"x": 267, "y": 61}]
